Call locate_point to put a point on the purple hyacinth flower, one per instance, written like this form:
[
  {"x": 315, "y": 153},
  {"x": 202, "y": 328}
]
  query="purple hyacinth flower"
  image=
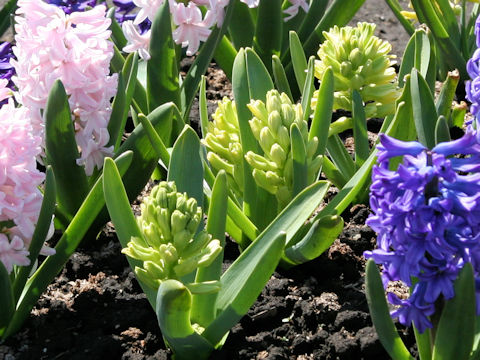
[
  {"x": 427, "y": 217},
  {"x": 6, "y": 69},
  {"x": 69, "y": 6},
  {"x": 127, "y": 10}
]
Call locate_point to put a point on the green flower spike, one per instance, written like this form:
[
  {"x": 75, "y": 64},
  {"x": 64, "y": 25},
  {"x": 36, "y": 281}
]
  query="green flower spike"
[
  {"x": 359, "y": 61},
  {"x": 171, "y": 247},
  {"x": 223, "y": 144},
  {"x": 271, "y": 125}
]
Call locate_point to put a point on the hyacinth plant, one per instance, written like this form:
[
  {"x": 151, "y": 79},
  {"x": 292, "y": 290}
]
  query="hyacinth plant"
[
  {"x": 179, "y": 265},
  {"x": 451, "y": 24}
]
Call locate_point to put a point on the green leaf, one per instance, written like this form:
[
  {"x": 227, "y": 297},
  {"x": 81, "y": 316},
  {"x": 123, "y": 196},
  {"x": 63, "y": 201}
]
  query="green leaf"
[
  {"x": 155, "y": 140},
  {"x": 71, "y": 238},
  {"x": 7, "y": 301},
  {"x": 299, "y": 157},
  {"x": 243, "y": 282},
  {"x": 241, "y": 28},
  {"x": 314, "y": 15},
  {"x": 117, "y": 33},
  {"x": 397, "y": 8},
  {"x": 378, "y": 307},
  {"x": 62, "y": 152},
  {"x": 362, "y": 149},
  {"x": 340, "y": 156},
  {"x": 299, "y": 61},
  {"x": 203, "y": 307},
  {"x": 115, "y": 129},
  {"x": 122, "y": 217},
  {"x": 202, "y": 105},
  {"x": 423, "y": 344},
  {"x": 320, "y": 236},
  {"x": 455, "y": 332},
  {"x": 199, "y": 67},
  {"x": 5, "y": 15},
  {"x": 424, "y": 112},
  {"x": 162, "y": 68},
  {"x": 322, "y": 116},
  {"x": 224, "y": 56},
  {"x": 280, "y": 77},
  {"x": 186, "y": 167},
  {"x": 259, "y": 80},
  {"x": 308, "y": 89},
  {"x": 442, "y": 131},
  {"x": 174, "y": 302},
  {"x": 447, "y": 94},
  {"x": 268, "y": 30},
  {"x": 40, "y": 233}
]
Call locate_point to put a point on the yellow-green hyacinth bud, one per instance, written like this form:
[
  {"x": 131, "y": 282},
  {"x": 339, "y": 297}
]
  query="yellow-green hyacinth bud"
[
  {"x": 224, "y": 150},
  {"x": 171, "y": 246},
  {"x": 360, "y": 61},
  {"x": 274, "y": 169}
]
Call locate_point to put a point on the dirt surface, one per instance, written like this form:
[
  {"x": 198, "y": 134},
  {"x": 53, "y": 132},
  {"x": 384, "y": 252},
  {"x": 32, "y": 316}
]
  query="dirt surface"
[{"x": 96, "y": 310}]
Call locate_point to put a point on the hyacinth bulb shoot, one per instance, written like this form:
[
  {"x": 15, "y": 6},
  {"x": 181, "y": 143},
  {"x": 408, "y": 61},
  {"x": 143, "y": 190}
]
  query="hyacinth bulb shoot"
[
  {"x": 427, "y": 217},
  {"x": 360, "y": 61},
  {"x": 171, "y": 246}
]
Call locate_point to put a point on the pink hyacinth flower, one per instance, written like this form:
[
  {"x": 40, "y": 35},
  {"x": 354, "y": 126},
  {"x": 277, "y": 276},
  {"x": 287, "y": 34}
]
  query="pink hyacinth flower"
[
  {"x": 191, "y": 28},
  {"x": 136, "y": 41},
  {"x": 292, "y": 11},
  {"x": 13, "y": 252},
  {"x": 5, "y": 92},
  {"x": 75, "y": 49}
]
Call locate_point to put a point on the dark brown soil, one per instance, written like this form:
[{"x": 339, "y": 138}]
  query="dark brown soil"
[{"x": 96, "y": 310}]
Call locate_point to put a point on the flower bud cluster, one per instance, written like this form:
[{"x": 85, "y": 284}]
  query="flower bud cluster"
[
  {"x": 271, "y": 125},
  {"x": 74, "y": 48},
  {"x": 426, "y": 214},
  {"x": 222, "y": 140},
  {"x": 20, "y": 197},
  {"x": 171, "y": 246},
  {"x": 359, "y": 61}
]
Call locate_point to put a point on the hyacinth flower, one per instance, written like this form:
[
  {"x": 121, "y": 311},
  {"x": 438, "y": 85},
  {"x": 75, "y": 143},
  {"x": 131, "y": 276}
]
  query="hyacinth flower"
[
  {"x": 69, "y": 6},
  {"x": 75, "y": 49},
  {"x": 426, "y": 216},
  {"x": 23, "y": 230},
  {"x": 273, "y": 125},
  {"x": 360, "y": 61},
  {"x": 472, "y": 86},
  {"x": 6, "y": 69},
  {"x": 171, "y": 247},
  {"x": 197, "y": 306}
]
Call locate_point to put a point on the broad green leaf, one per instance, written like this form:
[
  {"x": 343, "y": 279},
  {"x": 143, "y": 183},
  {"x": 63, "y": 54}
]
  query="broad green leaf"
[
  {"x": 71, "y": 238},
  {"x": 203, "y": 307},
  {"x": 424, "y": 112},
  {"x": 162, "y": 68},
  {"x": 423, "y": 341},
  {"x": 174, "y": 302},
  {"x": 224, "y": 56},
  {"x": 314, "y": 14},
  {"x": 408, "y": 59},
  {"x": 241, "y": 28},
  {"x": 442, "y": 131},
  {"x": 332, "y": 173},
  {"x": 115, "y": 129},
  {"x": 299, "y": 61},
  {"x": 362, "y": 149},
  {"x": 62, "y": 151},
  {"x": 186, "y": 167},
  {"x": 280, "y": 77},
  {"x": 259, "y": 80},
  {"x": 455, "y": 331},
  {"x": 203, "y": 109},
  {"x": 377, "y": 304},
  {"x": 340, "y": 156},
  {"x": 122, "y": 217},
  {"x": 117, "y": 33},
  {"x": 268, "y": 30},
  {"x": 7, "y": 301},
  {"x": 199, "y": 67},
  {"x": 422, "y": 52},
  {"x": 320, "y": 236},
  {"x": 40, "y": 233},
  {"x": 243, "y": 282},
  {"x": 299, "y": 157},
  {"x": 322, "y": 116}
]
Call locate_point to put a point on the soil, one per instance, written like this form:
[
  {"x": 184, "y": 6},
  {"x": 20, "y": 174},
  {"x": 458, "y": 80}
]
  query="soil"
[{"x": 96, "y": 310}]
